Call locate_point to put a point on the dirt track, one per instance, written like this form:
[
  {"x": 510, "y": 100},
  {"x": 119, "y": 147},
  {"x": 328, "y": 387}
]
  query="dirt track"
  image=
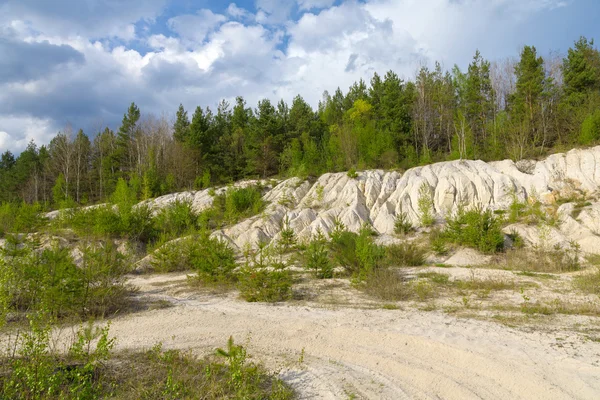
[{"x": 375, "y": 353}]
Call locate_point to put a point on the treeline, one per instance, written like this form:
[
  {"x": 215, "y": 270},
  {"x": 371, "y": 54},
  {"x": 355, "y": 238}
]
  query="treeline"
[{"x": 505, "y": 109}]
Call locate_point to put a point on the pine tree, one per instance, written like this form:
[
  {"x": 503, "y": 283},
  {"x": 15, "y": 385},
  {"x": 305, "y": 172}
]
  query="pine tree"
[
  {"x": 181, "y": 126},
  {"x": 128, "y": 150}
]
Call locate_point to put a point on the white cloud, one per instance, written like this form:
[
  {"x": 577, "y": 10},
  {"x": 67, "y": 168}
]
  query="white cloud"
[
  {"x": 238, "y": 13},
  {"x": 273, "y": 11},
  {"x": 90, "y": 18},
  {"x": 24, "y": 129},
  {"x": 310, "y": 4},
  {"x": 212, "y": 56},
  {"x": 194, "y": 28}
]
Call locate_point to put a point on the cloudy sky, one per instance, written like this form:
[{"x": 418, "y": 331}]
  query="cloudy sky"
[{"x": 81, "y": 62}]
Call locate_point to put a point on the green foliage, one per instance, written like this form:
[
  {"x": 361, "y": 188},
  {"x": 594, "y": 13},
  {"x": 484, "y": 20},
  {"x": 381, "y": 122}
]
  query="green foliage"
[
  {"x": 402, "y": 224},
  {"x": 20, "y": 218},
  {"x": 213, "y": 259},
  {"x": 287, "y": 237},
  {"x": 37, "y": 372},
  {"x": 263, "y": 278},
  {"x": 590, "y": 129},
  {"x": 476, "y": 228},
  {"x": 425, "y": 205},
  {"x": 173, "y": 375},
  {"x": 357, "y": 253},
  {"x": 405, "y": 254},
  {"x": 238, "y": 203},
  {"x": 438, "y": 242},
  {"x": 176, "y": 219},
  {"x": 352, "y": 173},
  {"x": 48, "y": 279},
  {"x": 317, "y": 257}
]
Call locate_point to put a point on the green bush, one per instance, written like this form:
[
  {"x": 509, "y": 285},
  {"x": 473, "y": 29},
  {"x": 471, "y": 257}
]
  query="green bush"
[
  {"x": 50, "y": 280},
  {"x": 402, "y": 224},
  {"x": 213, "y": 260},
  {"x": 425, "y": 205},
  {"x": 317, "y": 257},
  {"x": 20, "y": 218},
  {"x": 438, "y": 242},
  {"x": 238, "y": 203},
  {"x": 176, "y": 219},
  {"x": 173, "y": 374},
  {"x": 590, "y": 129},
  {"x": 37, "y": 372},
  {"x": 476, "y": 228},
  {"x": 357, "y": 253},
  {"x": 404, "y": 255},
  {"x": 263, "y": 278}
]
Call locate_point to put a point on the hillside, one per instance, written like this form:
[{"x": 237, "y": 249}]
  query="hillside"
[
  {"x": 562, "y": 183},
  {"x": 456, "y": 280}
]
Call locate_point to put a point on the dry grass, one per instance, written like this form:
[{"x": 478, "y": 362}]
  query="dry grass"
[
  {"x": 539, "y": 260},
  {"x": 589, "y": 282}
]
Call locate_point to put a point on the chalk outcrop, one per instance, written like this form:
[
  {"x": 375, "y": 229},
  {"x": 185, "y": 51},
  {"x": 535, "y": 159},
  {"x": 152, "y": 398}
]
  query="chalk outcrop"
[{"x": 376, "y": 198}]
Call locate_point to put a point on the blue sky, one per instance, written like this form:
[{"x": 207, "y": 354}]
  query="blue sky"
[{"x": 81, "y": 62}]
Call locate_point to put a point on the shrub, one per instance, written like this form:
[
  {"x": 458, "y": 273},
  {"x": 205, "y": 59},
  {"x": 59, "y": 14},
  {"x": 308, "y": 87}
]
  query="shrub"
[
  {"x": 387, "y": 284},
  {"x": 36, "y": 372},
  {"x": 176, "y": 219},
  {"x": 263, "y": 278},
  {"x": 287, "y": 239},
  {"x": 476, "y": 228},
  {"x": 317, "y": 257},
  {"x": 173, "y": 256},
  {"x": 357, "y": 253},
  {"x": 50, "y": 280},
  {"x": 242, "y": 203},
  {"x": 425, "y": 205},
  {"x": 173, "y": 374},
  {"x": 438, "y": 242},
  {"x": 590, "y": 129},
  {"x": 20, "y": 218},
  {"x": 405, "y": 255},
  {"x": 352, "y": 174},
  {"x": 402, "y": 224},
  {"x": 213, "y": 260}
]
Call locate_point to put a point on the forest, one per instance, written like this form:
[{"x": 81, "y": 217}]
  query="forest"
[{"x": 517, "y": 108}]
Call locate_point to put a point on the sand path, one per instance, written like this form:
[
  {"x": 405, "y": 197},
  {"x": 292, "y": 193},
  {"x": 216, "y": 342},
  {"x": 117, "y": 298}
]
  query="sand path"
[{"x": 374, "y": 354}]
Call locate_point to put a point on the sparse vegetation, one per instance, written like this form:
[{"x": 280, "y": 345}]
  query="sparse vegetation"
[
  {"x": 425, "y": 205},
  {"x": 402, "y": 224}
]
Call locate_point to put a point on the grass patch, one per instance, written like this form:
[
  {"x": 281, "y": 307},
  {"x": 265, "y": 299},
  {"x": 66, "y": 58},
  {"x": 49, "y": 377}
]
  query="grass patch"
[
  {"x": 589, "y": 282},
  {"x": 535, "y": 275},
  {"x": 561, "y": 307},
  {"x": 90, "y": 369},
  {"x": 540, "y": 259}
]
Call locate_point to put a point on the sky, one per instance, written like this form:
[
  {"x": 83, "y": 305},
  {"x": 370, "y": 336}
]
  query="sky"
[{"x": 82, "y": 62}]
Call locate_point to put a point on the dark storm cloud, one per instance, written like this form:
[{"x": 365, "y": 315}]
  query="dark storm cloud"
[{"x": 22, "y": 61}]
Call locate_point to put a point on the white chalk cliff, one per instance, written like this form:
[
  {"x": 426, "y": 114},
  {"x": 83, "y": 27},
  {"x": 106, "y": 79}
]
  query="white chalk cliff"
[{"x": 376, "y": 197}]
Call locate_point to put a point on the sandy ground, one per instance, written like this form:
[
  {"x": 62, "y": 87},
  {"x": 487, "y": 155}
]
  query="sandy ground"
[{"x": 342, "y": 352}]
